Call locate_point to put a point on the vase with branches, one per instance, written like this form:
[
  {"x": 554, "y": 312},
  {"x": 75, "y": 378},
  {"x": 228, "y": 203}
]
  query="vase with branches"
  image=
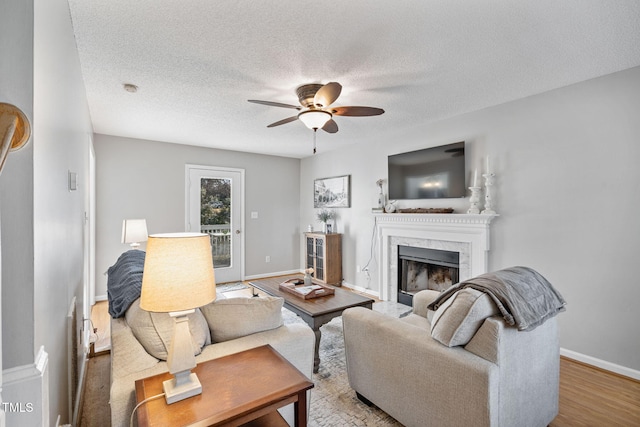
[{"x": 324, "y": 216}]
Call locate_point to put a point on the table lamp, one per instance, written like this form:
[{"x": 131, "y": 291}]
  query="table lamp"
[
  {"x": 178, "y": 277},
  {"x": 134, "y": 231}
]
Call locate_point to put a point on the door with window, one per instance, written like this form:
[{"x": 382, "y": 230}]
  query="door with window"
[{"x": 214, "y": 207}]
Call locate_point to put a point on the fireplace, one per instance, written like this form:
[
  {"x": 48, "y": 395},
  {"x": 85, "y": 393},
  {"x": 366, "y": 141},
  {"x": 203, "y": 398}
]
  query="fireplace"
[
  {"x": 466, "y": 234},
  {"x": 425, "y": 268}
]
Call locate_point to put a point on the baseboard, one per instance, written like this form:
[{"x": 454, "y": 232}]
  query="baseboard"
[
  {"x": 375, "y": 294},
  {"x": 272, "y": 274},
  {"x": 25, "y": 392},
  {"x": 602, "y": 364},
  {"x": 102, "y": 297},
  {"x": 77, "y": 411}
]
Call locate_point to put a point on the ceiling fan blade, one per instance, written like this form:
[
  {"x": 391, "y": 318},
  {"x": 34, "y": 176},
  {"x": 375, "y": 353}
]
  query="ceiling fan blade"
[
  {"x": 283, "y": 121},
  {"x": 330, "y": 127},
  {"x": 275, "y": 104},
  {"x": 327, "y": 94},
  {"x": 357, "y": 111}
]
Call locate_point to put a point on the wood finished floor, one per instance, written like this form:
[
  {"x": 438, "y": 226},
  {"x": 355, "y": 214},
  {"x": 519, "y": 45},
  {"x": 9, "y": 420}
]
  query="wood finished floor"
[
  {"x": 589, "y": 396},
  {"x": 100, "y": 320}
]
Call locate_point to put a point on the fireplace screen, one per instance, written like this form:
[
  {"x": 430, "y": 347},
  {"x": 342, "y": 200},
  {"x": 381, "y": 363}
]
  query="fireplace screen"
[{"x": 424, "y": 268}]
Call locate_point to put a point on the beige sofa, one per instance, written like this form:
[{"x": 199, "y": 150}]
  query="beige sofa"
[
  {"x": 241, "y": 323},
  {"x": 500, "y": 377}
]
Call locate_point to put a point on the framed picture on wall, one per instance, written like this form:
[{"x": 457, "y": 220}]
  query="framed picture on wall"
[{"x": 334, "y": 192}]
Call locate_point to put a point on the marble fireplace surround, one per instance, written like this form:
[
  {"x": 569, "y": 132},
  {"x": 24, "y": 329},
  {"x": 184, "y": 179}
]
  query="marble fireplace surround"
[{"x": 467, "y": 234}]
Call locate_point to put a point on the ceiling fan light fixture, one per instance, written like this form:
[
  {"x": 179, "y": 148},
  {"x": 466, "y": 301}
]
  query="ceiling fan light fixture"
[
  {"x": 314, "y": 119},
  {"x": 129, "y": 87}
]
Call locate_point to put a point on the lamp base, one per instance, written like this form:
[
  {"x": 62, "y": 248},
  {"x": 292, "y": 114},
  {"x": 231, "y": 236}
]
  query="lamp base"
[{"x": 185, "y": 384}]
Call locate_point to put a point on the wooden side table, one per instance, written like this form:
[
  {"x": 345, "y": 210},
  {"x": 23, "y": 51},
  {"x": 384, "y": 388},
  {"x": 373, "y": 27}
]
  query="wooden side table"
[{"x": 245, "y": 388}]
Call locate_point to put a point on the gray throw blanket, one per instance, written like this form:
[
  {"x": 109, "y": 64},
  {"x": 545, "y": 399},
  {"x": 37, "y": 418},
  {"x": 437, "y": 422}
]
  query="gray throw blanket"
[
  {"x": 523, "y": 296},
  {"x": 124, "y": 283}
]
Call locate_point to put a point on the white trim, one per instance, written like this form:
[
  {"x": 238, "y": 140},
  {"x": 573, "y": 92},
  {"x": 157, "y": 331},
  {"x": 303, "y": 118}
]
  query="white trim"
[
  {"x": 272, "y": 274},
  {"x": 602, "y": 364},
  {"x": 82, "y": 380},
  {"x": 101, "y": 298},
  {"x": 28, "y": 384},
  {"x": 90, "y": 217},
  {"x": 360, "y": 289},
  {"x": 22, "y": 373},
  {"x": 468, "y": 220}
]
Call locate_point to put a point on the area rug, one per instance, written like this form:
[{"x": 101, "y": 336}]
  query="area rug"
[
  {"x": 333, "y": 401},
  {"x": 228, "y": 287}
]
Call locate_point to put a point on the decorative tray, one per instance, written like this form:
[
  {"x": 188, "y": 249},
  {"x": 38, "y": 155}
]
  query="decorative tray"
[{"x": 298, "y": 288}]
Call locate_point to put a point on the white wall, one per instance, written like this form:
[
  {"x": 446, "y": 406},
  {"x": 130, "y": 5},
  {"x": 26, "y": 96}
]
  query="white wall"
[
  {"x": 16, "y": 193},
  {"x": 62, "y": 132},
  {"x": 568, "y": 192},
  {"x": 42, "y": 222},
  {"x": 16, "y": 187},
  {"x": 146, "y": 179}
]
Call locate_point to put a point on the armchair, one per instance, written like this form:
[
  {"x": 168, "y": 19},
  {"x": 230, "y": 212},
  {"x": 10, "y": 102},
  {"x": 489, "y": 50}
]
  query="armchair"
[{"x": 500, "y": 377}]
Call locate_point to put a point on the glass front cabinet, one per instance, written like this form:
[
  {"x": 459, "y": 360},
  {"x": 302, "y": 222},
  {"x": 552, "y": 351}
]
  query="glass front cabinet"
[{"x": 324, "y": 255}]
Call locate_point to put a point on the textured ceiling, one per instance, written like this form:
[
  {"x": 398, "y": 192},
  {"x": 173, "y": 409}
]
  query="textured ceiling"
[{"x": 197, "y": 62}]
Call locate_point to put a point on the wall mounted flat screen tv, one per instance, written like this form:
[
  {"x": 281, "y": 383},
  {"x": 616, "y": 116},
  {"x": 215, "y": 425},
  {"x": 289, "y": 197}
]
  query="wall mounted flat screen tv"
[{"x": 430, "y": 173}]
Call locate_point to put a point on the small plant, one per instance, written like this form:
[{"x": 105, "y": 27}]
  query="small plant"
[{"x": 325, "y": 215}]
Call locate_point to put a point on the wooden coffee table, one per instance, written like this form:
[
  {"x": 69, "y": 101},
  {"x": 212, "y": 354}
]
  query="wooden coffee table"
[
  {"x": 242, "y": 389},
  {"x": 316, "y": 311}
]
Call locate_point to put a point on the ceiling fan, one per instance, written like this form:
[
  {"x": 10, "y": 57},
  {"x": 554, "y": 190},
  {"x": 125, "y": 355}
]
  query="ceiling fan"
[{"x": 315, "y": 109}]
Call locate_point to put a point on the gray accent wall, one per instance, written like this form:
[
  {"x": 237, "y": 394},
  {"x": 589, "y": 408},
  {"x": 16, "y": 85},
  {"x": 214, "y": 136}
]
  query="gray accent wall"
[
  {"x": 146, "y": 179},
  {"x": 567, "y": 191}
]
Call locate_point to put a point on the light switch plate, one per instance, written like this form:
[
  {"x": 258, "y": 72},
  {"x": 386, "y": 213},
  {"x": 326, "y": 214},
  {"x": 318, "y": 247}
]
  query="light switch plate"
[{"x": 73, "y": 181}]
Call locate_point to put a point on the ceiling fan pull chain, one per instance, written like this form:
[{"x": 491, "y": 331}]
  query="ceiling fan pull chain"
[{"x": 315, "y": 131}]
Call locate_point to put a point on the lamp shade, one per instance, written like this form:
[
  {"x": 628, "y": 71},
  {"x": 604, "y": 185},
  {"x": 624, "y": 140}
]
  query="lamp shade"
[
  {"x": 134, "y": 230},
  {"x": 178, "y": 273},
  {"x": 314, "y": 119}
]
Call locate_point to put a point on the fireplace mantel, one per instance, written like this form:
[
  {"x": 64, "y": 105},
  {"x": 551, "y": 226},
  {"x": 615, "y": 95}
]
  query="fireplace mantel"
[
  {"x": 467, "y": 234},
  {"x": 400, "y": 218}
]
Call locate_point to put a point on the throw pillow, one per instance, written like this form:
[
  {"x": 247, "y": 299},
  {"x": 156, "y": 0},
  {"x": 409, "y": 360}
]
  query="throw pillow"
[
  {"x": 154, "y": 330},
  {"x": 233, "y": 318},
  {"x": 457, "y": 320}
]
